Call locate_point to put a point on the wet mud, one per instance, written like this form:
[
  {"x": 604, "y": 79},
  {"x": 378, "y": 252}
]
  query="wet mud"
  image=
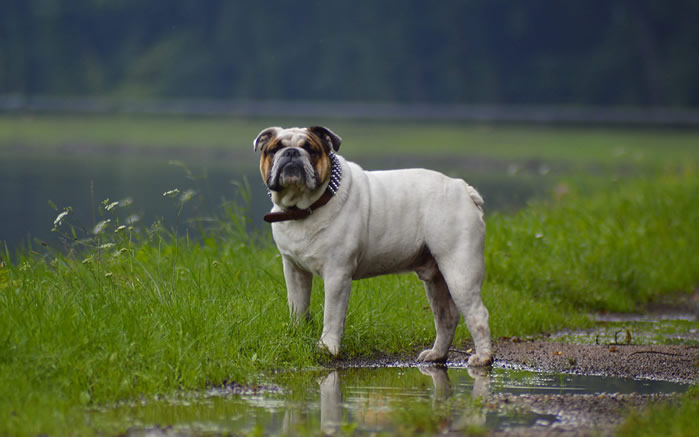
[
  {"x": 619, "y": 346},
  {"x": 593, "y": 411},
  {"x": 659, "y": 362}
]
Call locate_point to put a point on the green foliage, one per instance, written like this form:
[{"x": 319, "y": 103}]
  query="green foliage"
[
  {"x": 131, "y": 312},
  {"x": 665, "y": 419},
  {"x": 613, "y": 250},
  {"x": 597, "y": 52}
]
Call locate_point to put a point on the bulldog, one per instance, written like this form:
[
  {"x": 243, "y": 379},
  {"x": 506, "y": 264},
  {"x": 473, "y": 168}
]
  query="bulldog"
[{"x": 334, "y": 220}]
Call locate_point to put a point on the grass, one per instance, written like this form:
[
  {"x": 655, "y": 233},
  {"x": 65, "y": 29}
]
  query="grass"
[
  {"x": 679, "y": 420},
  {"x": 129, "y": 313}
]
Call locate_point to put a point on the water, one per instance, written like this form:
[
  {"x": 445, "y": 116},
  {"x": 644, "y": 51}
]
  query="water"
[
  {"x": 29, "y": 183},
  {"x": 367, "y": 400},
  {"x": 83, "y": 177}
]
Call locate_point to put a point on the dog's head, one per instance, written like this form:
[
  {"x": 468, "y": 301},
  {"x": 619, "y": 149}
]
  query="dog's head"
[{"x": 296, "y": 161}]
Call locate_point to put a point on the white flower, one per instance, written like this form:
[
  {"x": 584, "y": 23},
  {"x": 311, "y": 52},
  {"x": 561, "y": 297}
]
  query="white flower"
[
  {"x": 60, "y": 217},
  {"x": 187, "y": 196},
  {"x": 99, "y": 227}
]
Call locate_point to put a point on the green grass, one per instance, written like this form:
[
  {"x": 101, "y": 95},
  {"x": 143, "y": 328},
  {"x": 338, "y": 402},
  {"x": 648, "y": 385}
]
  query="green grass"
[
  {"x": 362, "y": 138},
  {"x": 672, "y": 420},
  {"x": 130, "y": 313}
]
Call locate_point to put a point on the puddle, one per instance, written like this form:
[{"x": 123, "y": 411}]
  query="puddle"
[{"x": 370, "y": 400}]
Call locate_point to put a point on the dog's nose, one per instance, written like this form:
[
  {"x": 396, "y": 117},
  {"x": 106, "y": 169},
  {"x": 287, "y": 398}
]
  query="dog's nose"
[{"x": 291, "y": 153}]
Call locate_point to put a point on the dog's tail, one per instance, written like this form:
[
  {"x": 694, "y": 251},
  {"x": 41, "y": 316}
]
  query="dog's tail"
[{"x": 475, "y": 197}]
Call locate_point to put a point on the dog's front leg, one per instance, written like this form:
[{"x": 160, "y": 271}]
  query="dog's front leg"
[
  {"x": 298, "y": 288},
  {"x": 337, "y": 292}
]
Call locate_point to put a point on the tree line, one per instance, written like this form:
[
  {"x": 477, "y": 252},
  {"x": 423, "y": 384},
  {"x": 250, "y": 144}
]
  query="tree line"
[{"x": 577, "y": 52}]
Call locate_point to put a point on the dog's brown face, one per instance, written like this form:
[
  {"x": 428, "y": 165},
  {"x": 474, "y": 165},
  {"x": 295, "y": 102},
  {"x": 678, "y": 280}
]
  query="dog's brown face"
[{"x": 297, "y": 158}]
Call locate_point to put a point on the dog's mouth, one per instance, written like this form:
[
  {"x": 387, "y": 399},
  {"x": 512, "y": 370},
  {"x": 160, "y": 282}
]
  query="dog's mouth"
[{"x": 290, "y": 172}]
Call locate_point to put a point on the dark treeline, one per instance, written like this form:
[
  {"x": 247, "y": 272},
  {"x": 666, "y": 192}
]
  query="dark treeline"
[{"x": 580, "y": 52}]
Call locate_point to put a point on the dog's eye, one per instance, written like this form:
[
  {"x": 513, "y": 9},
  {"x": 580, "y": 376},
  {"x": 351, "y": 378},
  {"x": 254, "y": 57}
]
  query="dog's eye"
[
  {"x": 310, "y": 149},
  {"x": 272, "y": 151}
]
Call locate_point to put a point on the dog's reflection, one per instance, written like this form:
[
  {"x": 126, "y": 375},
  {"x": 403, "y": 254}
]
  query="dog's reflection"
[
  {"x": 330, "y": 402},
  {"x": 375, "y": 410}
]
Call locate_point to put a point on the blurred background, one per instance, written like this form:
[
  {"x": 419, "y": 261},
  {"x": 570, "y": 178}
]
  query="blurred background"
[
  {"x": 592, "y": 52},
  {"x": 125, "y": 100}
]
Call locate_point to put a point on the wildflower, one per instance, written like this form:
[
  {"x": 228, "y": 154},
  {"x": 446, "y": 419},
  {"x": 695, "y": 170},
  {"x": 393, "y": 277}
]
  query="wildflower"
[
  {"x": 99, "y": 227},
  {"x": 111, "y": 206},
  {"x": 120, "y": 228},
  {"x": 119, "y": 252},
  {"x": 106, "y": 245},
  {"x": 60, "y": 218},
  {"x": 171, "y": 193},
  {"x": 187, "y": 196},
  {"x": 108, "y": 275}
]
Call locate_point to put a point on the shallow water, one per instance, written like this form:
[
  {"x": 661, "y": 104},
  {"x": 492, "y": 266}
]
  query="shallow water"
[{"x": 364, "y": 400}]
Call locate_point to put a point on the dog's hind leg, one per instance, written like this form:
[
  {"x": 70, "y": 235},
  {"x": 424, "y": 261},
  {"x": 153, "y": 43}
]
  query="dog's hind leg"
[
  {"x": 461, "y": 261},
  {"x": 298, "y": 289},
  {"x": 464, "y": 277},
  {"x": 446, "y": 314}
]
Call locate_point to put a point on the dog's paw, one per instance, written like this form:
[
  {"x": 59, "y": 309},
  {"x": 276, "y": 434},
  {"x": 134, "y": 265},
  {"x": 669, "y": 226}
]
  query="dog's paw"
[
  {"x": 480, "y": 360},
  {"x": 431, "y": 356},
  {"x": 332, "y": 349}
]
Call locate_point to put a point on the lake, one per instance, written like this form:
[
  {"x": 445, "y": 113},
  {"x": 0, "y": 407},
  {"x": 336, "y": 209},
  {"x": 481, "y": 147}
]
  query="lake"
[{"x": 87, "y": 178}]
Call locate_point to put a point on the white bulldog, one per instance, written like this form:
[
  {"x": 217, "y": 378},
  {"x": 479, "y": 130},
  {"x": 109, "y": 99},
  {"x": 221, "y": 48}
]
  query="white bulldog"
[{"x": 334, "y": 220}]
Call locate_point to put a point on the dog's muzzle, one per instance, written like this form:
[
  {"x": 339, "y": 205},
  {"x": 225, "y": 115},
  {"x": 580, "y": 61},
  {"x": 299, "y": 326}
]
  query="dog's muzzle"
[{"x": 290, "y": 168}]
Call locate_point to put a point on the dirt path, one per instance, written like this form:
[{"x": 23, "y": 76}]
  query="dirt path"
[
  {"x": 662, "y": 362},
  {"x": 668, "y": 363}
]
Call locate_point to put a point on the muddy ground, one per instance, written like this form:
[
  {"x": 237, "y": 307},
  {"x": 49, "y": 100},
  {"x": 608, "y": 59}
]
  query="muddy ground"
[
  {"x": 578, "y": 415},
  {"x": 588, "y": 414},
  {"x": 661, "y": 362}
]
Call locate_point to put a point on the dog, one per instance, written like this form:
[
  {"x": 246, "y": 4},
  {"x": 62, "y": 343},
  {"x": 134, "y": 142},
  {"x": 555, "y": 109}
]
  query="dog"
[{"x": 334, "y": 220}]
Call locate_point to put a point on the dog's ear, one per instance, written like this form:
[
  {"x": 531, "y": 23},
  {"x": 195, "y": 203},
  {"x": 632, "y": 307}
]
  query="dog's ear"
[
  {"x": 264, "y": 137},
  {"x": 328, "y": 137}
]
